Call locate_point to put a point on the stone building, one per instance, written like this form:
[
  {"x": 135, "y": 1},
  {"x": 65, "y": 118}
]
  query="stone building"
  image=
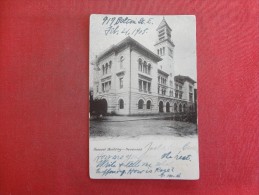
[{"x": 132, "y": 79}]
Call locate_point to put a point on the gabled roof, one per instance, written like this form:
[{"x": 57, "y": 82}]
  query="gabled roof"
[
  {"x": 162, "y": 24},
  {"x": 126, "y": 43},
  {"x": 182, "y": 79}
]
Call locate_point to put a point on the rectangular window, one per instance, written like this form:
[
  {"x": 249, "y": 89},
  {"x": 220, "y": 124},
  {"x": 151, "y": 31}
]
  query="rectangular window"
[
  {"x": 140, "y": 85},
  {"x": 97, "y": 88},
  {"x": 121, "y": 83},
  {"x": 145, "y": 86}
]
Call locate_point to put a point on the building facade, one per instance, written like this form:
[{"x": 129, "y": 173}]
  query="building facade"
[{"x": 131, "y": 79}]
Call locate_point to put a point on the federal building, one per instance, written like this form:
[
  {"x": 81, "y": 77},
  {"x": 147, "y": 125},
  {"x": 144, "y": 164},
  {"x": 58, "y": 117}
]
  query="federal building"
[{"x": 131, "y": 79}]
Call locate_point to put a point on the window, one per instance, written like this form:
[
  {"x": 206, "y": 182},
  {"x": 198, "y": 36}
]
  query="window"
[
  {"x": 110, "y": 66},
  {"x": 184, "y": 108},
  {"x": 190, "y": 97},
  {"x": 145, "y": 86},
  {"x": 180, "y": 95},
  {"x": 140, "y": 104},
  {"x": 158, "y": 52},
  {"x": 163, "y": 50},
  {"x": 121, "y": 83},
  {"x": 148, "y": 104},
  {"x": 190, "y": 88},
  {"x": 106, "y": 68},
  {"x": 145, "y": 67},
  {"x": 140, "y": 85},
  {"x": 140, "y": 64},
  {"x": 176, "y": 93},
  {"x": 163, "y": 91},
  {"x": 121, "y": 62},
  {"x": 121, "y": 103},
  {"x": 97, "y": 88},
  {"x": 106, "y": 86}
]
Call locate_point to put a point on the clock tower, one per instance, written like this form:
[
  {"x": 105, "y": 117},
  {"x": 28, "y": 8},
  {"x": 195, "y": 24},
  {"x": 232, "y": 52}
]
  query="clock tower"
[{"x": 165, "y": 49}]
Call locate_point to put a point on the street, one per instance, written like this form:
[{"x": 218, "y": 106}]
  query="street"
[{"x": 134, "y": 126}]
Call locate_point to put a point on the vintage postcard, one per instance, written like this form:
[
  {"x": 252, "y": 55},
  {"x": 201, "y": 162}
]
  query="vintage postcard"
[{"x": 143, "y": 97}]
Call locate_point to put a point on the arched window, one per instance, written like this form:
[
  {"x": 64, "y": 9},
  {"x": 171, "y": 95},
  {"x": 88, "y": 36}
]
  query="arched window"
[
  {"x": 121, "y": 103},
  {"x": 180, "y": 108},
  {"x": 167, "y": 107},
  {"x": 140, "y": 64},
  {"x": 140, "y": 104},
  {"x": 148, "y": 104},
  {"x": 175, "y": 107},
  {"x": 121, "y": 62},
  {"x": 145, "y": 67},
  {"x": 106, "y": 68},
  {"x": 184, "y": 108},
  {"x": 110, "y": 66},
  {"x": 161, "y": 106}
]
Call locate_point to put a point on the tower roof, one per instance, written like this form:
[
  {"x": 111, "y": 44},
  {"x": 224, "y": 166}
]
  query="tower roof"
[{"x": 162, "y": 24}]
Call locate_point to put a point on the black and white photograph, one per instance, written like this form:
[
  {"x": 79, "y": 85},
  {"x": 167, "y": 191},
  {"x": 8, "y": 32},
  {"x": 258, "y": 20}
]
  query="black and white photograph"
[{"x": 143, "y": 97}]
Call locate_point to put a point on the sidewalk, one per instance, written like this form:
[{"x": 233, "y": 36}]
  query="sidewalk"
[{"x": 133, "y": 118}]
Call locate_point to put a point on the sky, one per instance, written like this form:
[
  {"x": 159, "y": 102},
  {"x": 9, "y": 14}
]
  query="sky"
[{"x": 183, "y": 33}]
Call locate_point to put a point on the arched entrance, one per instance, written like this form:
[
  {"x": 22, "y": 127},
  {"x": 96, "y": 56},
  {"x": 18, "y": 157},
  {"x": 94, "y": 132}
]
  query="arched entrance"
[
  {"x": 161, "y": 106},
  {"x": 167, "y": 107}
]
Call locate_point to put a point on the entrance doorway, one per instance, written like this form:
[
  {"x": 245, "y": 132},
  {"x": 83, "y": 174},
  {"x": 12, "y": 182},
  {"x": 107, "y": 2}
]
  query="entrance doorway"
[{"x": 161, "y": 107}]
